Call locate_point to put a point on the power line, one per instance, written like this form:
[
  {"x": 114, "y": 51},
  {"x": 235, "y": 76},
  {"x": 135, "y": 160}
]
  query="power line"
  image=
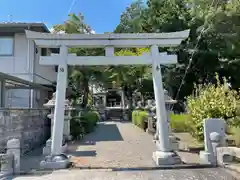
[
  {"x": 71, "y": 6},
  {"x": 190, "y": 62},
  {"x": 69, "y": 9},
  {"x": 191, "y": 58}
]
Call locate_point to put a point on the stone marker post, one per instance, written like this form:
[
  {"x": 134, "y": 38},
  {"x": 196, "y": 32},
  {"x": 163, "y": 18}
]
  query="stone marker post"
[
  {"x": 13, "y": 148},
  {"x": 214, "y": 136}
]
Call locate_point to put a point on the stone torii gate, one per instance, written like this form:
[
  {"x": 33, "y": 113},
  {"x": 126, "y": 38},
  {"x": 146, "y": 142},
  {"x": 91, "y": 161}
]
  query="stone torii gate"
[{"x": 163, "y": 154}]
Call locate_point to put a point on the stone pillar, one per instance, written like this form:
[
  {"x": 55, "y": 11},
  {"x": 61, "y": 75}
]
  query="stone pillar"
[
  {"x": 160, "y": 104},
  {"x": 6, "y": 164},
  {"x": 163, "y": 155},
  {"x": 57, "y": 135},
  {"x": 13, "y": 148},
  {"x": 58, "y": 160},
  {"x": 66, "y": 128},
  {"x": 2, "y": 93},
  {"x": 214, "y": 136}
]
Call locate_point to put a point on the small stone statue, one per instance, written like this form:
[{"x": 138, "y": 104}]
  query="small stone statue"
[
  {"x": 139, "y": 106},
  {"x": 153, "y": 109},
  {"x": 149, "y": 106}
]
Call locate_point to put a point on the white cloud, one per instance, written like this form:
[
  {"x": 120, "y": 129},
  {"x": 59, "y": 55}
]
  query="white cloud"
[
  {"x": 63, "y": 32},
  {"x": 59, "y": 32},
  {"x": 51, "y": 29}
]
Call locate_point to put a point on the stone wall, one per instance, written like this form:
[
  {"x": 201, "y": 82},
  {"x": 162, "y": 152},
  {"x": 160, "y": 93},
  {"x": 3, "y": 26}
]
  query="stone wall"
[{"x": 30, "y": 126}]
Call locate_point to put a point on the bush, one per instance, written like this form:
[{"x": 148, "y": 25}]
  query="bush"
[
  {"x": 90, "y": 120},
  {"x": 76, "y": 127},
  {"x": 84, "y": 124},
  {"x": 180, "y": 122},
  {"x": 139, "y": 117},
  {"x": 212, "y": 101},
  {"x": 236, "y": 135}
]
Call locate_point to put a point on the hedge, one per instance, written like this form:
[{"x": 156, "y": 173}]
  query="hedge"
[
  {"x": 84, "y": 124},
  {"x": 139, "y": 117}
]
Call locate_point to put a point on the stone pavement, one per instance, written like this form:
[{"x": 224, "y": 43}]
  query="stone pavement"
[
  {"x": 121, "y": 145},
  {"x": 122, "y": 151},
  {"x": 114, "y": 144},
  {"x": 183, "y": 174}
]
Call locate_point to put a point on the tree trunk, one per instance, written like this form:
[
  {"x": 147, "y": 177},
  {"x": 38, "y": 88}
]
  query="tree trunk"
[
  {"x": 130, "y": 98},
  {"x": 86, "y": 91}
]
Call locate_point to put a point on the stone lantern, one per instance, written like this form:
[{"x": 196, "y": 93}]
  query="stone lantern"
[
  {"x": 66, "y": 129},
  {"x": 168, "y": 103}
]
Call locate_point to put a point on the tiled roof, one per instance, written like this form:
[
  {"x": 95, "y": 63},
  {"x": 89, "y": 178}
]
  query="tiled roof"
[{"x": 19, "y": 24}]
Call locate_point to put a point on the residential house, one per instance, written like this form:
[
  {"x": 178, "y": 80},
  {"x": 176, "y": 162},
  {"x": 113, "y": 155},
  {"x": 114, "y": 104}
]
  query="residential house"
[{"x": 20, "y": 57}]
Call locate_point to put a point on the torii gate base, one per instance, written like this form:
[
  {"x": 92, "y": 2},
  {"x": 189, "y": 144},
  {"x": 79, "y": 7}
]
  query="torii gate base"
[{"x": 164, "y": 155}]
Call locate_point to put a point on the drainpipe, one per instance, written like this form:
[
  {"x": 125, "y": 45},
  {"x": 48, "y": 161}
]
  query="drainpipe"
[{"x": 30, "y": 71}]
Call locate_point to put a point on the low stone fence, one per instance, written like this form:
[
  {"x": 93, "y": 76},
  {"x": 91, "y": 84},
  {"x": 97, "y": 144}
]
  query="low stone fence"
[
  {"x": 10, "y": 161},
  {"x": 30, "y": 126},
  {"x": 227, "y": 155}
]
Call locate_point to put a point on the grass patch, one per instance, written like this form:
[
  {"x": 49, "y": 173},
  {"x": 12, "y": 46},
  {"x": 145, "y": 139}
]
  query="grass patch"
[
  {"x": 234, "y": 135},
  {"x": 180, "y": 122}
]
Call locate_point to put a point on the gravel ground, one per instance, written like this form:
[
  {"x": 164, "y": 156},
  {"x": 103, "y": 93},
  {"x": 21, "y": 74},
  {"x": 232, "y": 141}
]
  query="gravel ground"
[
  {"x": 113, "y": 149},
  {"x": 193, "y": 174},
  {"x": 114, "y": 144}
]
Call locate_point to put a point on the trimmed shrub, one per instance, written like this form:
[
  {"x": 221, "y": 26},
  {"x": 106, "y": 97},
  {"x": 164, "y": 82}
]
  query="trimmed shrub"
[
  {"x": 212, "y": 101},
  {"x": 84, "y": 124},
  {"x": 76, "y": 127},
  {"x": 90, "y": 120},
  {"x": 138, "y": 118},
  {"x": 180, "y": 122}
]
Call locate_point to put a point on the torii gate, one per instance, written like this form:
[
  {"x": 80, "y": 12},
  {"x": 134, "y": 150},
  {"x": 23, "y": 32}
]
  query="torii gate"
[{"x": 163, "y": 154}]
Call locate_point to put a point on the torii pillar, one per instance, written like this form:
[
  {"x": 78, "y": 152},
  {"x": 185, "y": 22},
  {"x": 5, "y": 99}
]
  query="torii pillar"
[
  {"x": 163, "y": 155},
  {"x": 59, "y": 103}
]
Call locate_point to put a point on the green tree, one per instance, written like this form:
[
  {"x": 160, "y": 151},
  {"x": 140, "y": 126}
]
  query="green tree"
[
  {"x": 130, "y": 78},
  {"x": 80, "y": 76},
  {"x": 131, "y": 20}
]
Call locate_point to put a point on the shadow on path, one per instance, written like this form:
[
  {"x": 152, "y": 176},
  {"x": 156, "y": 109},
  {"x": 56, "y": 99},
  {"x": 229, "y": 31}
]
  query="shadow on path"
[{"x": 105, "y": 132}]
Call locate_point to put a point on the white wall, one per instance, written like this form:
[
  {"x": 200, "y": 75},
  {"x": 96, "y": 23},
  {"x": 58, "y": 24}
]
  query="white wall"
[
  {"x": 45, "y": 74},
  {"x": 19, "y": 65}
]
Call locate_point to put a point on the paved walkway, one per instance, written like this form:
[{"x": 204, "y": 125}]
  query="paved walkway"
[
  {"x": 114, "y": 144},
  {"x": 183, "y": 174}
]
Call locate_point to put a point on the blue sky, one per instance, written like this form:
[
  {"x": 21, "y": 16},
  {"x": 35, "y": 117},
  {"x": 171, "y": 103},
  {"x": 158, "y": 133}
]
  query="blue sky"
[{"x": 101, "y": 15}]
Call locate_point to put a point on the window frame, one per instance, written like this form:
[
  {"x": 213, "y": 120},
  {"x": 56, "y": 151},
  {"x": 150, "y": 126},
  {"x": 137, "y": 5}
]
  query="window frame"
[{"x": 12, "y": 38}]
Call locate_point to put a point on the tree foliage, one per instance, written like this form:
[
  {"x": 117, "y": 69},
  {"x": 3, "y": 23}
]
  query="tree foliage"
[
  {"x": 213, "y": 45},
  {"x": 213, "y": 101}
]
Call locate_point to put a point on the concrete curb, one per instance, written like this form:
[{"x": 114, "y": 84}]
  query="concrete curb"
[
  {"x": 5, "y": 176},
  {"x": 181, "y": 166},
  {"x": 229, "y": 168}
]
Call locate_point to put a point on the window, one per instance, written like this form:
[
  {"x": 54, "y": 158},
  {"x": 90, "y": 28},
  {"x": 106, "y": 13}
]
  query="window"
[
  {"x": 6, "y": 46},
  {"x": 44, "y": 52}
]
